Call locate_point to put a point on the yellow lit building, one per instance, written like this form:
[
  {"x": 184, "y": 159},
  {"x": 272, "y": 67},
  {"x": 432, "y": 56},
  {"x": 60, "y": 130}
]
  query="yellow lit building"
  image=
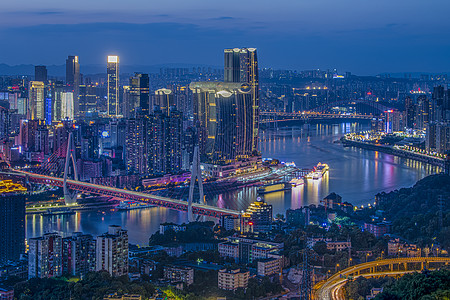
[{"x": 233, "y": 279}]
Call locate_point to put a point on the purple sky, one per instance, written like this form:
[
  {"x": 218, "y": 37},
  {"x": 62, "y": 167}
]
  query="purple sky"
[{"x": 361, "y": 36}]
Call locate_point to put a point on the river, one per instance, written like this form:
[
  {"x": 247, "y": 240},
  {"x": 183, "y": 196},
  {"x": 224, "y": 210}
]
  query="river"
[{"x": 355, "y": 174}]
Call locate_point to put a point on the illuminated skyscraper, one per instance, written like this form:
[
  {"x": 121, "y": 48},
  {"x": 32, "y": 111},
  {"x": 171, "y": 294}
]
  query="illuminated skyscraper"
[
  {"x": 73, "y": 79},
  {"x": 226, "y": 113},
  {"x": 113, "y": 85},
  {"x": 36, "y": 98},
  {"x": 241, "y": 65}
]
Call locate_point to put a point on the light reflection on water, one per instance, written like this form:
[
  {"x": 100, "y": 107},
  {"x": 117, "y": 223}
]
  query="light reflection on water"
[{"x": 355, "y": 174}]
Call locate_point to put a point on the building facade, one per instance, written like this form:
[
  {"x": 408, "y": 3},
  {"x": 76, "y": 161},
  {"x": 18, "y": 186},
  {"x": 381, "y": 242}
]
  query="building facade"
[
  {"x": 45, "y": 256},
  {"x": 112, "y": 251},
  {"x": 12, "y": 224}
]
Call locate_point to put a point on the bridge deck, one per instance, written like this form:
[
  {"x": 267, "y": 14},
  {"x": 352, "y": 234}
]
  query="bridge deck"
[{"x": 199, "y": 209}]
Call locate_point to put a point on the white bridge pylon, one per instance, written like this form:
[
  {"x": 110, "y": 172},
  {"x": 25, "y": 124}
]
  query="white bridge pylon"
[{"x": 69, "y": 197}]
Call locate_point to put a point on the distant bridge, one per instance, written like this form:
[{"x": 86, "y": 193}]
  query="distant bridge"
[
  {"x": 197, "y": 208},
  {"x": 332, "y": 287},
  {"x": 275, "y": 117},
  {"x": 376, "y": 107}
]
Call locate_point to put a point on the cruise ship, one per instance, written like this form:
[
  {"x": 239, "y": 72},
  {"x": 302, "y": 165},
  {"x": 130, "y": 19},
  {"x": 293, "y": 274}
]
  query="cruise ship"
[
  {"x": 297, "y": 181},
  {"x": 130, "y": 204},
  {"x": 318, "y": 171}
]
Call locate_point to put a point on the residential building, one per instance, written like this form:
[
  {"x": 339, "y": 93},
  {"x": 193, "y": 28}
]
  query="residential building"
[
  {"x": 45, "y": 256},
  {"x": 171, "y": 226},
  {"x": 229, "y": 222},
  {"x": 269, "y": 266},
  {"x": 245, "y": 250},
  {"x": 112, "y": 251},
  {"x": 78, "y": 254},
  {"x": 177, "y": 274},
  {"x": 233, "y": 279},
  {"x": 378, "y": 229}
]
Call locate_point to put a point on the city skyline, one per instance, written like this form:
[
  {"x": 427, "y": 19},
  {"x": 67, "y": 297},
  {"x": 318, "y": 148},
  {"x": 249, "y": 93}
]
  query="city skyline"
[{"x": 364, "y": 38}]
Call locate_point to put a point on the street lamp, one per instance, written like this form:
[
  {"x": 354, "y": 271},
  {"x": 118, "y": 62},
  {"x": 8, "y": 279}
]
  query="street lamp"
[{"x": 337, "y": 266}]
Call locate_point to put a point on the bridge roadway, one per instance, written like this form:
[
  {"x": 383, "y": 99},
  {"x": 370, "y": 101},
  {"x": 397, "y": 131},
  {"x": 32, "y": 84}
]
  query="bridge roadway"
[
  {"x": 332, "y": 287},
  {"x": 285, "y": 116},
  {"x": 199, "y": 209}
]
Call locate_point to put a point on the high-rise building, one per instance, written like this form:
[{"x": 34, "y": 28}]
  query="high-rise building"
[
  {"x": 227, "y": 113},
  {"x": 45, "y": 256},
  {"x": 443, "y": 137},
  {"x": 223, "y": 116},
  {"x": 67, "y": 106},
  {"x": 430, "y": 138},
  {"x": 112, "y": 251},
  {"x": 12, "y": 224},
  {"x": 139, "y": 101},
  {"x": 78, "y": 253},
  {"x": 57, "y": 90},
  {"x": 164, "y": 100},
  {"x": 36, "y": 98},
  {"x": 113, "y": 85},
  {"x": 73, "y": 79},
  {"x": 165, "y": 139},
  {"x": 136, "y": 152},
  {"x": 40, "y": 73},
  {"x": 257, "y": 218},
  {"x": 241, "y": 65}
]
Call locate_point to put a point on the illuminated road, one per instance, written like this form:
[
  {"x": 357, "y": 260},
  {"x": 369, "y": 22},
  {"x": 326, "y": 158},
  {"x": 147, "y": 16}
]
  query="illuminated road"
[
  {"x": 199, "y": 209},
  {"x": 332, "y": 288}
]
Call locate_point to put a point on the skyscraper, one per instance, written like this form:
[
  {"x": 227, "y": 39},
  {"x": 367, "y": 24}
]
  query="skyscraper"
[
  {"x": 227, "y": 113},
  {"x": 164, "y": 99},
  {"x": 112, "y": 71},
  {"x": 241, "y": 65},
  {"x": 112, "y": 251},
  {"x": 40, "y": 73},
  {"x": 223, "y": 115},
  {"x": 73, "y": 80},
  {"x": 67, "y": 106},
  {"x": 36, "y": 98},
  {"x": 139, "y": 91},
  {"x": 12, "y": 224}
]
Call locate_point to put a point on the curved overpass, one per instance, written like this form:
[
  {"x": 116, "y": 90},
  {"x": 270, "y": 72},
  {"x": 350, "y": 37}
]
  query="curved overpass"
[
  {"x": 197, "y": 208},
  {"x": 331, "y": 288}
]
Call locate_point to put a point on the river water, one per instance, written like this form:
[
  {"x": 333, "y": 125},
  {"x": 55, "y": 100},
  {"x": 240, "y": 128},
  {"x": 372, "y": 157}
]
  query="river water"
[{"x": 355, "y": 174}]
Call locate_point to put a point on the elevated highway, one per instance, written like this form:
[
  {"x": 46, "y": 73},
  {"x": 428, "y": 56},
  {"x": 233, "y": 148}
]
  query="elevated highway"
[{"x": 332, "y": 287}]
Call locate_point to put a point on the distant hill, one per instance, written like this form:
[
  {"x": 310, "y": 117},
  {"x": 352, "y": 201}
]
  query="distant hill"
[{"x": 60, "y": 70}]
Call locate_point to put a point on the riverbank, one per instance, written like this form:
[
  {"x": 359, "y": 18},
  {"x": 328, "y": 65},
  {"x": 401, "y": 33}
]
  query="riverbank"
[{"x": 435, "y": 161}]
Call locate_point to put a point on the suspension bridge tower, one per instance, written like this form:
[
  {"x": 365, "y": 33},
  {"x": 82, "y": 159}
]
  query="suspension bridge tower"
[
  {"x": 70, "y": 197},
  {"x": 196, "y": 176}
]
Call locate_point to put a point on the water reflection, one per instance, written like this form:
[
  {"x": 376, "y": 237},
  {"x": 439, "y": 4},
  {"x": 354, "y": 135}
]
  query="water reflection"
[{"x": 356, "y": 174}]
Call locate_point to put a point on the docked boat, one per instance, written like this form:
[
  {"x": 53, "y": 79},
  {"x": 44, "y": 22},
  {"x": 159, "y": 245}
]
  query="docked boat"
[
  {"x": 58, "y": 211},
  {"x": 296, "y": 182},
  {"x": 272, "y": 188},
  {"x": 318, "y": 172},
  {"x": 130, "y": 204}
]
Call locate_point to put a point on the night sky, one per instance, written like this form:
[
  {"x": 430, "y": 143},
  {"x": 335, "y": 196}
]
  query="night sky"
[{"x": 361, "y": 36}]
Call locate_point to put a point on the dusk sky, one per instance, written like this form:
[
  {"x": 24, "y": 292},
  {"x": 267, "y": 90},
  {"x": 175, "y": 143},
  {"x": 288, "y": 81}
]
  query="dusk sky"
[{"x": 361, "y": 36}]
